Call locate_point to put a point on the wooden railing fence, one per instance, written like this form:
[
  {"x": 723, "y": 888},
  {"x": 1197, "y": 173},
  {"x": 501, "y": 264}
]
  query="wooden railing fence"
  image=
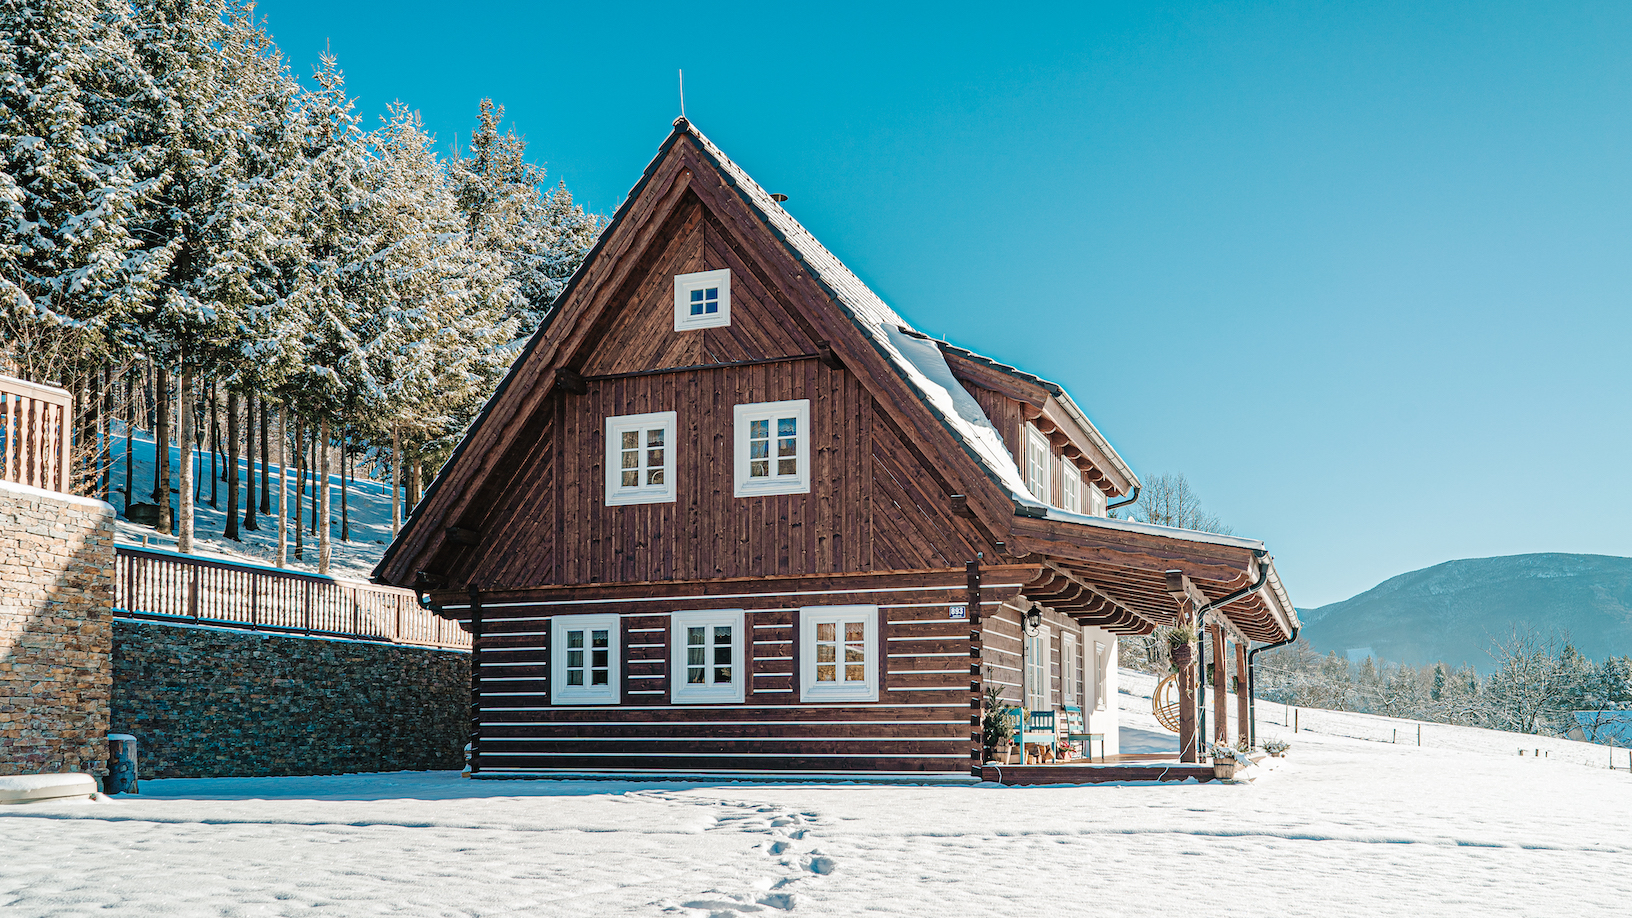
[
  {"x": 36, "y": 434},
  {"x": 164, "y": 586}
]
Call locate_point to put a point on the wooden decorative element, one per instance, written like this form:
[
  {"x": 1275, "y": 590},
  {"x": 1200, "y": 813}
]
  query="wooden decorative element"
[
  {"x": 1164, "y": 703},
  {"x": 571, "y": 381}
]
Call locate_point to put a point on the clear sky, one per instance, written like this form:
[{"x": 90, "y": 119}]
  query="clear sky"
[{"x": 1360, "y": 271}]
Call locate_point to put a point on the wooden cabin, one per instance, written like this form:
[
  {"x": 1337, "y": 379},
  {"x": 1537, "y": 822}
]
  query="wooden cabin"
[{"x": 730, "y": 514}]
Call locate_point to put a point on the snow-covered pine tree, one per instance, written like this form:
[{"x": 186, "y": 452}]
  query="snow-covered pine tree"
[
  {"x": 72, "y": 264},
  {"x": 539, "y": 236}
]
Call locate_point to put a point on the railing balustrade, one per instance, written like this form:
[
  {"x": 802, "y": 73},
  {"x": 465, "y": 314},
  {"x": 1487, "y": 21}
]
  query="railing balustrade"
[
  {"x": 36, "y": 435},
  {"x": 163, "y": 586}
]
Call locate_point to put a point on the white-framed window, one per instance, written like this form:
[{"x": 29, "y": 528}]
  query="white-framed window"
[
  {"x": 1037, "y": 463},
  {"x": 773, "y": 448},
  {"x": 1070, "y": 488},
  {"x": 1038, "y": 694},
  {"x": 584, "y": 659},
  {"x": 1095, "y": 504},
  {"x": 1071, "y": 668},
  {"x": 1102, "y": 660},
  {"x": 838, "y": 653},
  {"x": 702, "y": 300},
  {"x": 640, "y": 458},
  {"x": 708, "y": 663}
]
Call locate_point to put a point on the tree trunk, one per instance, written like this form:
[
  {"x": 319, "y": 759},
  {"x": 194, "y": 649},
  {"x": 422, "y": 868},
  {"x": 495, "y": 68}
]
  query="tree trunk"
[
  {"x": 266, "y": 493},
  {"x": 283, "y": 484},
  {"x": 184, "y": 535},
  {"x": 325, "y": 548},
  {"x": 396, "y": 481},
  {"x": 215, "y": 449},
  {"x": 161, "y": 446},
  {"x": 195, "y": 446},
  {"x": 249, "y": 461},
  {"x": 300, "y": 488},
  {"x": 232, "y": 467},
  {"x": 130, "y": 434},
  {"x": 317, "y": 446},
  {"x": 345, "y": 468}
]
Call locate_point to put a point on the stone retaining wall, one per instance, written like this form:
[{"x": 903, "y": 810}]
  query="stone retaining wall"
[
  {"x": 56, "y": 587},
  {"x": 207, "y": 702}
]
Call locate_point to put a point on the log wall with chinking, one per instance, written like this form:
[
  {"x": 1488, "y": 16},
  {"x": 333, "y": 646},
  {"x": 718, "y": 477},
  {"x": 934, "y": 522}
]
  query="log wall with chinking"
[{"x": 921, "y": 722}]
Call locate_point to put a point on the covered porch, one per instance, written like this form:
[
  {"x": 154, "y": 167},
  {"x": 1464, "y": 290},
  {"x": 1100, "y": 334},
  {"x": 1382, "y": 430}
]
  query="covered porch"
[{"x": 1218, "y": 600}]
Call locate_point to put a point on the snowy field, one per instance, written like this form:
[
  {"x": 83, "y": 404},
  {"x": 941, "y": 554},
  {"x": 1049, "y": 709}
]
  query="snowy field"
[
  {"x": 1344, "y": 826},
  {"x": 369, "y": 508}
]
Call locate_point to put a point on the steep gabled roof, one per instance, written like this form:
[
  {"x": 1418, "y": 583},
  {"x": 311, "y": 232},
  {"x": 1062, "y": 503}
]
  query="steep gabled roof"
[
  {"x": 921, "y": 362},
  {"x": 914, "y": 355}
]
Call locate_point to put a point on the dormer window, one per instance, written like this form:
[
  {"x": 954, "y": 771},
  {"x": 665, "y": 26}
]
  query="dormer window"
[
  {"x": 1070, "y": 488},
  {"x": 702, "y": 300},
  {"x": 1096, "y": 501},
  {"x": 1036, "y": 465}
]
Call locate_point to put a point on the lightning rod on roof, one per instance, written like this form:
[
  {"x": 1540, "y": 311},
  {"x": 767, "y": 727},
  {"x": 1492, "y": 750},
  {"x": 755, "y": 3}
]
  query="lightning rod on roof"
[{"x": 682, "y": 93}]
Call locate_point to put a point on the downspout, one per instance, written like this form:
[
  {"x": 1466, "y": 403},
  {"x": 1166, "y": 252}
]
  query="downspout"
[
  {"x": 1132, "y": 497},
  {"x": 1252, "y": 672},
  {"x": 1252, "y": 700}
]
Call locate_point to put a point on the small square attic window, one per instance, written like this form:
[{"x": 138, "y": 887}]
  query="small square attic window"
[{"x": 702, "y": 300}]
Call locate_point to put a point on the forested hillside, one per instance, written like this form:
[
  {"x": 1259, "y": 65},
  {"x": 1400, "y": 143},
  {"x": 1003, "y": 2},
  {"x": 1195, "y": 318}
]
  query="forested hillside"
[
  {"x": 195, "y": 242},
  {"x": 1451, "y": 612}
]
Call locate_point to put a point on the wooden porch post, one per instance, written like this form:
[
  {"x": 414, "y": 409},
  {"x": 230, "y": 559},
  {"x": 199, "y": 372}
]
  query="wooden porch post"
[
  {"x": 1242, "y": 697},
  {"x": 1221, "y": 685},
  {"x": 1186, "y": 661}
]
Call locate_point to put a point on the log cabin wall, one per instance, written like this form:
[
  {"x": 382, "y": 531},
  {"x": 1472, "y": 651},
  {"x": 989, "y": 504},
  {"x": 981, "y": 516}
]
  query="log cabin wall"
[
  {"x": 1001, "y": 659},
  {"x": 920, "y": 723}
]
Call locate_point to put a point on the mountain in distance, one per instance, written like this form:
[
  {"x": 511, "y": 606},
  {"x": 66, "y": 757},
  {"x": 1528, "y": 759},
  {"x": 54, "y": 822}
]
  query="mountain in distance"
[{"x": 1452, "y": 612}]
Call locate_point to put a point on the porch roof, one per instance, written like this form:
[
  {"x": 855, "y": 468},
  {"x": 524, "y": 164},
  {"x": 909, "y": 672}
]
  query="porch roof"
[{"x": 1115, "y": 574}]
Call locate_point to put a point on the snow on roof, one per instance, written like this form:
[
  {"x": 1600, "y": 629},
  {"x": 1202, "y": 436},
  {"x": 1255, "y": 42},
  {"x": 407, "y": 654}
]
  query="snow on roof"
[
  {"x": 1170, "y": 532},
  {"x": 917, "y": 358}
]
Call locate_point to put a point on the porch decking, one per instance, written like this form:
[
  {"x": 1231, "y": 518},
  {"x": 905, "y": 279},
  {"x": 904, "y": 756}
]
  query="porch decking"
[{"x": 1113, "y": 768}]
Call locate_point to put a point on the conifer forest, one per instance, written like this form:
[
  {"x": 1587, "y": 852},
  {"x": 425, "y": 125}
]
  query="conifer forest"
[{"x": 200, "y": 243}]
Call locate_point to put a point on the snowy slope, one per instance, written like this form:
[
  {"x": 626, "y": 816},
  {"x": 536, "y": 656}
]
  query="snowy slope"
[
  {"x": 369, "y": 506},
  {"x": 1344, "y": 826}
]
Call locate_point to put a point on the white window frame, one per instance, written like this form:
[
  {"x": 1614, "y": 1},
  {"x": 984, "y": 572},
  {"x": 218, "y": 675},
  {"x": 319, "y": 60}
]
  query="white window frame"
[
  {"x": 812, "y": 690},
  {"x": 681, "y": 690},
  {"x": 1070, "y": 488},
  {"x": 1038, "y": 649},
  {"x": 743, "y": 417},
  {"x": 1096, "y": 500},
  {"x": 560, "y": 691},
  {"x": 1036, "y": 459},
  {"x": 684, "y": 284},
  {"x": 1101, "y": 662},
  {"x": 617, "y": 494},
  {"x": 1071, "y": 668}
]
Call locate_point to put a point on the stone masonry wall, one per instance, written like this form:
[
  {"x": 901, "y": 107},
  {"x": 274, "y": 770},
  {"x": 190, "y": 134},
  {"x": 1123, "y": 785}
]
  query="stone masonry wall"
[
  {"x": 56, "y": 598},
  {"x": 206, "y": 702}
]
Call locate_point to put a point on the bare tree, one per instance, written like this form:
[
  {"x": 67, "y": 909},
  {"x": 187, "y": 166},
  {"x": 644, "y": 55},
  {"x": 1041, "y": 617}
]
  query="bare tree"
[{"x": 1168, "y": 500}]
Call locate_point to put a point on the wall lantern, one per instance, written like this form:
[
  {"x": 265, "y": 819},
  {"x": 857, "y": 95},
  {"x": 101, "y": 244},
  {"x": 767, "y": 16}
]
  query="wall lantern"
[{"x": 1034, "y": 619}]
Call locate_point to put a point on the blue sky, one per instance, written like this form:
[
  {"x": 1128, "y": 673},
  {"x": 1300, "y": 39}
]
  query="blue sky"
[{"x": 1360, "y": 271}]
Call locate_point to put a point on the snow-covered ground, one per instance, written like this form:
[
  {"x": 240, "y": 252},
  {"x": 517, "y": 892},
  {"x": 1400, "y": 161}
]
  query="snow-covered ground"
[
  {"x": 368, "y": 506},
  {"x": 1344, "y": 826}
]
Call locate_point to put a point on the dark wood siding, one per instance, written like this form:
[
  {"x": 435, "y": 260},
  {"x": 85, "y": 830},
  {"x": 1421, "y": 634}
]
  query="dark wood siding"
[
  {"x": 553, "y": 526},
  {"x": 921, "y": 722}
]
